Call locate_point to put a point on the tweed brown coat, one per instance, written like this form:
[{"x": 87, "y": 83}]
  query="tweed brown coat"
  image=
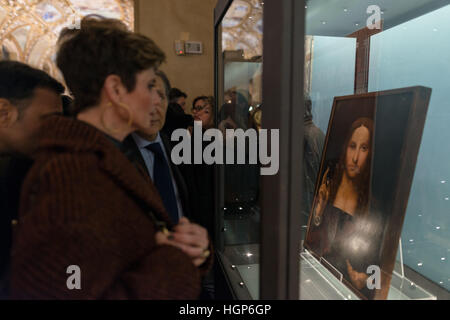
[{"x": 83, "y": 203}]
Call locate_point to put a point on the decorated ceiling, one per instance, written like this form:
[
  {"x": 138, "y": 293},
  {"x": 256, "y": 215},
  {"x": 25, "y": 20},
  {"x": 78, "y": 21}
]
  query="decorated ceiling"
[
  {"x": 29, "y": 29},
  {"x": 242, "y": 27}
]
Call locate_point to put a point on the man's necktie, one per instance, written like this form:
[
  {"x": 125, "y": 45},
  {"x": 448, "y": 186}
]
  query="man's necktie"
[{"x": 163, "y": 181}]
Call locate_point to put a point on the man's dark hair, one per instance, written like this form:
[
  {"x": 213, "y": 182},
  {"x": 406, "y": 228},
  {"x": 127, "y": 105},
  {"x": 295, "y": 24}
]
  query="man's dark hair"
[
  {"x": 176, "y": 93},
  {"x": 104, "y": 47},
  {"x": 165, "y": 80},
  {"x": 18, "y": 82}
]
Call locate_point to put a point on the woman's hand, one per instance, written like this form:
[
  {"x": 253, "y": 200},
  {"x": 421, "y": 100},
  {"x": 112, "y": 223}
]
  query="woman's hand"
[
  {"x": 359, "y": 279},
  {"x": 190, "y": 238},
  {"x": 323, "y": 196}
]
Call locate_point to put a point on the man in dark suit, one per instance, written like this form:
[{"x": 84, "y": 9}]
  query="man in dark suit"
[
  {"x": 27, "y": 95},
  {"x": 150, "y": 152},
  {"x": 141, "y": 151}
]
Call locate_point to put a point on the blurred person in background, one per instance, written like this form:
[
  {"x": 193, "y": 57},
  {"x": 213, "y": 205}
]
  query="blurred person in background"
[
  {"x": 176, "y": 117},
  {"x": 203, "y": 110}
]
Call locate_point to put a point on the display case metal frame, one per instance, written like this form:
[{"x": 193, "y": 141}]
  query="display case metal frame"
[{"x": 283, "y": 40}]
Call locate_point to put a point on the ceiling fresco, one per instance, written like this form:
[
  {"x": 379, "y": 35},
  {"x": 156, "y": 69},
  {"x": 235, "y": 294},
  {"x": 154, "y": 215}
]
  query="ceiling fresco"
[{"x": 29, "y": 29}]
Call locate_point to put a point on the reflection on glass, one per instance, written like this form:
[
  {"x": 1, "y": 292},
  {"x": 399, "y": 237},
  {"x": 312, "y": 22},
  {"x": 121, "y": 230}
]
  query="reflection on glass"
[
  {"x": 240, "y": 108},
  {"x": 242, "y": 28}
]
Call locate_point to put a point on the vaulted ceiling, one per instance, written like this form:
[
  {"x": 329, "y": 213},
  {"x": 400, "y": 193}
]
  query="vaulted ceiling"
[
  {"x": 242, "y": 27},
  {"x": 29, "y": 28}
]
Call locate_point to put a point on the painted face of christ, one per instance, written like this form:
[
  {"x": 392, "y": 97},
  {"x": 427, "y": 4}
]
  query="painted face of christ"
[{"x": 357, "y": 152}]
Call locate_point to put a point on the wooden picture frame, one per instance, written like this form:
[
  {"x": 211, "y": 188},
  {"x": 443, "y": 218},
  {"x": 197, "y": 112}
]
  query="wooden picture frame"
[{"x": 362, "y": 190}]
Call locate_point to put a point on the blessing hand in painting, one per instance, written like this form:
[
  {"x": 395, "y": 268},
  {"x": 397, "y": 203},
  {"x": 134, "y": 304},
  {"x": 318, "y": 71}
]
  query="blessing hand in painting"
[
  {"x": 359, "y": 279},
  {"x": 324, "y": 194}
]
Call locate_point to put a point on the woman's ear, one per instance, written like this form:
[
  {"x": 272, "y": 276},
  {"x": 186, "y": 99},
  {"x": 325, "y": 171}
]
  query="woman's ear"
[
  {"x": 9, "y": 114},
  {"x": 114, "y": 88}
]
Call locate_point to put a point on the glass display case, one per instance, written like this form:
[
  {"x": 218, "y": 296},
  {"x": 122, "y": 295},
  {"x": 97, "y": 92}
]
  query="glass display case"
[
  {"x": 239, "y": 57},
  {"x": 288, "y": 78}
]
